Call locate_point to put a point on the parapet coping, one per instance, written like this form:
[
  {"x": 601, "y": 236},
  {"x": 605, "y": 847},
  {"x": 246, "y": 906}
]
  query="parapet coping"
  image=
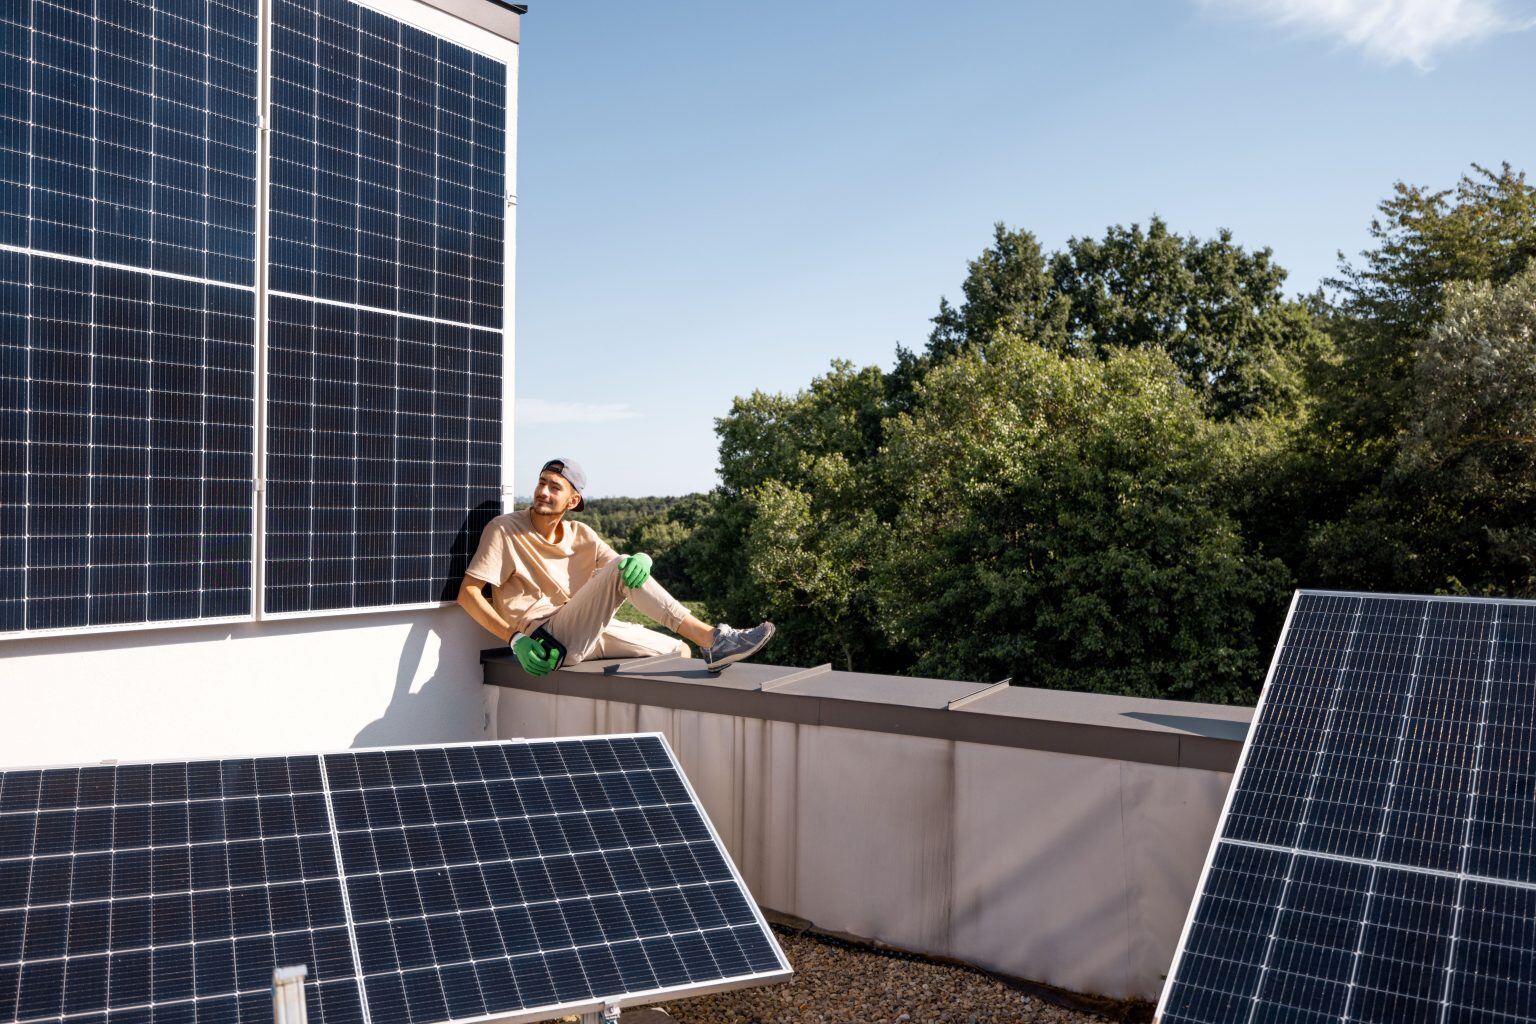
[
  {"x": 1164, "y": 732},
  {"x": 495, "y": 16}
]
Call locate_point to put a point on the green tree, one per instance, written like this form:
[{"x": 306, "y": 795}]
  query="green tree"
[
  {"x": 1217, "y": 309},
  {"x": 1062, "y": 524},
  {"x": 1483, "y": 229},
  {"x": 1456, "y": 509},
  {"x": 791, "y": 531},
  {"x": 1367, "y": 519}
]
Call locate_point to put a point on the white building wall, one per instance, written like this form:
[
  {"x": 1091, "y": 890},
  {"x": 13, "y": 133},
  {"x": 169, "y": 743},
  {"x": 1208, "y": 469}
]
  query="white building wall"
[{"x": 218, "y": 691}]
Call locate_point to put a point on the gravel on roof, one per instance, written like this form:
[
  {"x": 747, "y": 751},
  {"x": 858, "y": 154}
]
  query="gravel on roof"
[{"x": 836, "y": 983}]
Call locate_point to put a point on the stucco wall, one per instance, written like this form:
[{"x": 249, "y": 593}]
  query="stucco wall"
[
  {"x": 292, "y": 685},
  {"x": 1075, "y": 871}
]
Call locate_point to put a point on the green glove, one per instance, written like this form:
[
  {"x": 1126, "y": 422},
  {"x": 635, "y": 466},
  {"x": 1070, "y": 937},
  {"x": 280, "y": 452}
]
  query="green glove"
[
  {"x": 635, "y": 570},
  {"x": 536, "y": 661}
]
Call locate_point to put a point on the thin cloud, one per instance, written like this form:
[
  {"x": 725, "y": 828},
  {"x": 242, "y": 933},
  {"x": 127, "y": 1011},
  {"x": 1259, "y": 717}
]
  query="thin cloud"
[
  {"x": 539, "y": 411},
  {"x": 1390, "y": 31}
]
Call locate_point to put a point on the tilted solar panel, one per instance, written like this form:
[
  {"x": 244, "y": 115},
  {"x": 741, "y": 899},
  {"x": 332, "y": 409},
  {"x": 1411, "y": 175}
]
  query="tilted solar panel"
[
  {"x": 1376, "y": 860},
  {"x": 389, "y": 155},
  {"x": 513, "y": 880},
  {"x": 127, "y": 350}
]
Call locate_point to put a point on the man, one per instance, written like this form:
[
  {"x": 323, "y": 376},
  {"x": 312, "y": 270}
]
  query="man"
[{"x": 556, "y": 586}]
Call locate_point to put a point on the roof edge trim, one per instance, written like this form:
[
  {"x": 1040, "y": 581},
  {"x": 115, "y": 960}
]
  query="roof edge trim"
[{"x": 504, "y": 20}]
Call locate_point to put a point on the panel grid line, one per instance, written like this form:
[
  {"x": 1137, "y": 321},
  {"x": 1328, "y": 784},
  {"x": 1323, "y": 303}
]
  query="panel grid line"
[
  {"x": 1466, "y": 837},
  {"x": 346, "y": 898}
]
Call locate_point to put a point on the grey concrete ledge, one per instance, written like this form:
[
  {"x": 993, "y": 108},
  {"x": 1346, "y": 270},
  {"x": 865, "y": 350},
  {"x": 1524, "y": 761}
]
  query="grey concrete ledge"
[{"x": 1164, "y": 732}]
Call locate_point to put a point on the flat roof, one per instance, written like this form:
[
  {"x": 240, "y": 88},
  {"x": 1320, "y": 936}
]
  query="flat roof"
[{"x": 1175, "y": 733}]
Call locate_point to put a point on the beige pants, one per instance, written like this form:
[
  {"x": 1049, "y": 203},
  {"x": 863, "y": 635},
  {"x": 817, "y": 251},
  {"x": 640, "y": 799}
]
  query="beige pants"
[{"x": 586, "y": 626}]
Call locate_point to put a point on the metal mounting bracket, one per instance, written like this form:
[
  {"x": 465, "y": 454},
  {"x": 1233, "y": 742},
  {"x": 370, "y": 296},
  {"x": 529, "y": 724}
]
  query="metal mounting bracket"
[{"x": 288, "y": 995}]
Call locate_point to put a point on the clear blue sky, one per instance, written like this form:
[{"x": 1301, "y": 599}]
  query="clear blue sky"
[{"x": 720, "y": 197}]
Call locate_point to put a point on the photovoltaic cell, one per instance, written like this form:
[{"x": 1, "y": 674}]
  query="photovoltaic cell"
[
  {"x": 167, "y": 892},
  {"x": 384, "y": 455},
  {"x": 472, "y": 880},
  {"x": 388, "y": 193},
  {"x": 128, "y": 151},
  {"x": 127, "y": 213},
  {"x": 499, "y": 878},
  {"x": 125, "y": 482},
  {"x": 1375, "y": 860},
  {"x": 128, "y": 133}
]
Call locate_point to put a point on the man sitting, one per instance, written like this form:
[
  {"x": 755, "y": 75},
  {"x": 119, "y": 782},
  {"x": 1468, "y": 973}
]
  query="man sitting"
[{"x": 555, "y": 587}]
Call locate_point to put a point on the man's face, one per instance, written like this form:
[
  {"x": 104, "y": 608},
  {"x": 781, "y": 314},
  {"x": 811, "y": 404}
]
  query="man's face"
[{"x": 554, "y": 494}]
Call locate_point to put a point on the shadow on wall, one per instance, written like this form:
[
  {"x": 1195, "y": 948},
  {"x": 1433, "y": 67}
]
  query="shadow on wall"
[{"x": 424, "y": 712}]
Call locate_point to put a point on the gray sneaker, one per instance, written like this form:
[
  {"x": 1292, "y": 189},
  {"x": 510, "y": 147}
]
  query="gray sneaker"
[{"x": 734, "y": 645}]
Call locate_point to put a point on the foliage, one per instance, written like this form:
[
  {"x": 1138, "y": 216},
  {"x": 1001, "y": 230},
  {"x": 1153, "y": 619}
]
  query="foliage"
[
  {"x": 657, "y": 526},
  {"x": 1366, "y": 521},
  {"x": 1384, "y": 306},
  {"x": 1062, "y": 524},
  {"x": 1109, "y": 464},
  {"x": 1215, "y": 308},
  {"x": 1456, "y": 509}
]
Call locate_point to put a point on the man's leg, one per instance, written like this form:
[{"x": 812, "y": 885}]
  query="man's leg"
[
  {"x": 580, "y": 622},
  {"x": 630, "y": 640}
]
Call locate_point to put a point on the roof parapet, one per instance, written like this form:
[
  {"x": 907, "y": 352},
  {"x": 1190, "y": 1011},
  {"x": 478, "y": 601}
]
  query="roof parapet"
[{"x": 1174, "y": 733}]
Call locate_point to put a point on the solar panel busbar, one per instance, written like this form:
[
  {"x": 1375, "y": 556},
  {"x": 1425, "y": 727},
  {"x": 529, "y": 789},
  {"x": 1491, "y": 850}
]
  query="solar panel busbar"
[{"x": 492, "y": 881}]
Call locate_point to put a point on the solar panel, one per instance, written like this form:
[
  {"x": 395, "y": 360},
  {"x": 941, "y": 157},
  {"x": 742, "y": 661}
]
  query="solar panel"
[
  {"x": 418, "y": 885},
  {"x": 127, "y": 225},
  {"x": 1376, "y": 860},
  {"x": 128, "y": 180},
  {"x": 388, "y": 195}
]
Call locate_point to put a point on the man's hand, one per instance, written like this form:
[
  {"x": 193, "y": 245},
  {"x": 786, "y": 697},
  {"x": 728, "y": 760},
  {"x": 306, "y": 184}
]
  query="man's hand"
[
  {"x": 635, "y": 570},
  {"x": 536, "y": 661}
]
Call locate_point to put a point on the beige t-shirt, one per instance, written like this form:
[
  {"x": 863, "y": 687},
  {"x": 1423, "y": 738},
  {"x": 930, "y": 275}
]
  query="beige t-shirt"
[{"x": 531, "y": 577}]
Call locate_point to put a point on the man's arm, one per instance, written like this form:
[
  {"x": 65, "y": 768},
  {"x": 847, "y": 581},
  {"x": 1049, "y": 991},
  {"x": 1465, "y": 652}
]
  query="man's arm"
[
  {"x": 472, "y": 600},
  {"x": 604, "y": 554}
]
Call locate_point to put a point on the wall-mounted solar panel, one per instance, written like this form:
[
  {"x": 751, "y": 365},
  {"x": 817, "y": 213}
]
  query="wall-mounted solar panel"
[
  {"x": 515, "y": 881},
  {"x": 1376, "y": 860},
  {"x": 388, "y": 237},
  {"x": 127, "y": 226}
]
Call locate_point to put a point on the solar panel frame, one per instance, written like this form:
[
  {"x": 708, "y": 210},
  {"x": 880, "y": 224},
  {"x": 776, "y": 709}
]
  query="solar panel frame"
[
  {"x": 1460, "y": 880},
  {"x": 102, "y": 203},
  {"x": 642, "y": 997},
  {"x": 476, "y": 320},
  {"x": 480, "y": 305},
  {"x": 340, "y": 873}
]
